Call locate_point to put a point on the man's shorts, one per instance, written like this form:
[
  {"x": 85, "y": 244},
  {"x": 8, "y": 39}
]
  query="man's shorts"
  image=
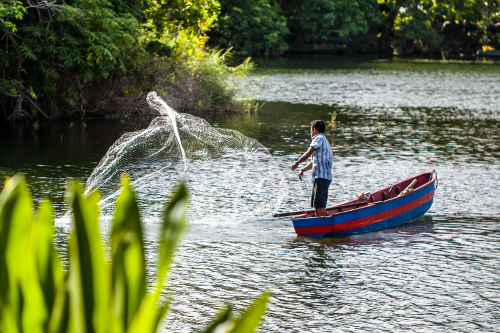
[{"x": 320, "y": 192}]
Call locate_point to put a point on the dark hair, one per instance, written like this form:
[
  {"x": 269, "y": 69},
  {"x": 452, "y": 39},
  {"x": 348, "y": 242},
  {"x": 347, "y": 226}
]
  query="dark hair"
[{"x": 319, "y": 125}]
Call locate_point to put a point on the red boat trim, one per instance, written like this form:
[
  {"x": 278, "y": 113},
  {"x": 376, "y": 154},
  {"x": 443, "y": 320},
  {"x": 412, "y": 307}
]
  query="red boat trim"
[{"x": 375, "y": 218}]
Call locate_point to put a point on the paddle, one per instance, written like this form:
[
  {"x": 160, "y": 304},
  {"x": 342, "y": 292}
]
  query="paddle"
[{"x": 329, "y": 208}]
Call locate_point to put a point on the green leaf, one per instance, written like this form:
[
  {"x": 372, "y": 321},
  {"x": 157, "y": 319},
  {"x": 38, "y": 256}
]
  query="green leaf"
[
  {"x": 16, "y": 215},
  {"x": 127, "y": 246},
  {"x": 223, "y": 322},
  {"x": 88, "y": 280},
  {"x": 247, "y": 322},
  {"x": 174, "y": 220},
  {"x": 59, "y": 319},
  {"x": 49, "y": 266},
  {"x": 250, "y": 319}
]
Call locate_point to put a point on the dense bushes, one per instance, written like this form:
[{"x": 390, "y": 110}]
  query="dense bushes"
[
  {"x": 401, "y": 27},
  {"x": 100, "y": 290},
  {"x": 52, "y": 49},
  {"x": 261, "y": 27},
  {"x": 252, "y": 27},
  {"x": 60, "y": 58}
]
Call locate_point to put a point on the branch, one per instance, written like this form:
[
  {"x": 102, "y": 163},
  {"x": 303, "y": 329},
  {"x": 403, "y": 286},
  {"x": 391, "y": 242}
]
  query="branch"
[
  {"x": 51, "y": 5},
  {"x": 38, "y": 108}
]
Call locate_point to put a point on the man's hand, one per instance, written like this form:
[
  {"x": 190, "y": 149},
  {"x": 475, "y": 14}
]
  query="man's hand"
[
  {"x": 304, "y": 157},
  {"x": 301, "y": 174}
]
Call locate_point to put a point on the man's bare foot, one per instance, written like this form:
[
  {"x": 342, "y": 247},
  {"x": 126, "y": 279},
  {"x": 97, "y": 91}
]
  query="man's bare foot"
[{"x": 320, "y": 212}]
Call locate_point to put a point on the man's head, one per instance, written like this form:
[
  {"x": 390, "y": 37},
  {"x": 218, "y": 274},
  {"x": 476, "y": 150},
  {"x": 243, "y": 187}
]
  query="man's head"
[{"x": 317, "y": 126}]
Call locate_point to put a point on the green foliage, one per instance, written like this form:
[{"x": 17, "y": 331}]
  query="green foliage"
[
  {"x": 202, "y": 74},
  {"x": 252, "y": 27},
  {"x": 54, "y": 48},
  {"x": 58, "y": 57},
  {"x": 405, "y": 27},
  {"x": 416, "y": 26},
  {"x": 414, "y": 29},
  {"x": 311, "y": 20},
  {"x": 354, "y": 17},
  {"x": 11, "y": 10},
  {"x": 196, "y": 16},
  {"x": 260, "y": 27},
  {"x": 99, "y": 292}
]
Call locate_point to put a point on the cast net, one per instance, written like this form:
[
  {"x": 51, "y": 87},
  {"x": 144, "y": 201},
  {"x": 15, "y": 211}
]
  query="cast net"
[{"x": 229, "y": 175}]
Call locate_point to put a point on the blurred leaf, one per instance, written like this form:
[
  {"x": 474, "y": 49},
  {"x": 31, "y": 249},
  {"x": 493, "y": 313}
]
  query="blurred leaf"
[
  {"x": 49, "y": 266},
  {"x": 59, "y": 319},
  {"x": 174, "y": 222},
  {"x": 127, "y": 246},
  {"x": 247, "y": 322},
  {"x": 223, "y": 322},
  {"x": 250, "y": 319},
  {"x": 16, "y": 215},
  {"x": 88, "y": 273},
  {"x": 174, "y": 219}
]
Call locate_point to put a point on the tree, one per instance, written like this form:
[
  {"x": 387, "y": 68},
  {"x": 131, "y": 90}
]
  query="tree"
[
  {"x": 251, "y": 27},
  {"x": 417, "y": 27},
  {"x": 309, "y": 20},
  {"x": 62, "y": 57},
  {"x": 260, "y": 27},
  {"x": 52, "y": 49},
  {"x": 354, "y": 17}
]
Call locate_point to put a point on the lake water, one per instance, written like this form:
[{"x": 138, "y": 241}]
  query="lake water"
[{"x": 392, "y": 120}]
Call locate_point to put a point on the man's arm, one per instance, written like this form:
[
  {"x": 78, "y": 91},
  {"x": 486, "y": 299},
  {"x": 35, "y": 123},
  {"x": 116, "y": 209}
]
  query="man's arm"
[
  {"x": 303, "y": 158},
  {"x": 307, "y": 167}
]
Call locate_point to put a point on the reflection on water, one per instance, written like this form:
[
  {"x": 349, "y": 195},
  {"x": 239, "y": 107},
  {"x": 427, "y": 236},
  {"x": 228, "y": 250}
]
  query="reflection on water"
[{"x": 439, "y": 273}]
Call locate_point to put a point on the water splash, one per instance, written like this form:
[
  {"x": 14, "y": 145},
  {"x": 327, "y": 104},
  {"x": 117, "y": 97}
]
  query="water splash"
[{"x": 159, "y": 105}]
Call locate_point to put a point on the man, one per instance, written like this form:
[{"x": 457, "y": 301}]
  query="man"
[{"x": 322, "y": 159}]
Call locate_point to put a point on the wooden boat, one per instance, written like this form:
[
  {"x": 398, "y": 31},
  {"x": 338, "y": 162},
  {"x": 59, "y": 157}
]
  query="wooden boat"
[{"x": 385, "y": 208}]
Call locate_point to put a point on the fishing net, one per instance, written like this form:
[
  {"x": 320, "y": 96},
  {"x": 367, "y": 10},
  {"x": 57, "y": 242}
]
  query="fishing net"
[{"x": 228, "y": 174}]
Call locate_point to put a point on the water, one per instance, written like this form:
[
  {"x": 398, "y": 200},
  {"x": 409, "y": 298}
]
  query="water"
[{"x": 392, "y": 120}]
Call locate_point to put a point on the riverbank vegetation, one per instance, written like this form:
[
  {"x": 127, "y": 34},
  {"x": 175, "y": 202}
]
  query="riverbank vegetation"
[
  {"x": 86, "y": 58},
  {"x": 81, "y": 57},
  {"x": 387, "y": 27},
  {"x": 97, "y": 289}
]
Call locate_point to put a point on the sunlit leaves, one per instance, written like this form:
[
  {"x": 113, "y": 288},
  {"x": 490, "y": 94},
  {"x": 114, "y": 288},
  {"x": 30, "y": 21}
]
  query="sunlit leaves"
[
  {"x": 11, "y": 9},
  {"x": 196, "y": 15}
]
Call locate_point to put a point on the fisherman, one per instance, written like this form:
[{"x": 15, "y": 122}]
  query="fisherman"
[{"x": 322, "y": 160}]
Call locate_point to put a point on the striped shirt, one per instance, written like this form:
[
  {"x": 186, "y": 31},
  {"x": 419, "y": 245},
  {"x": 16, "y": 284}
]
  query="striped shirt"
[{"x": 322, "y": 158}]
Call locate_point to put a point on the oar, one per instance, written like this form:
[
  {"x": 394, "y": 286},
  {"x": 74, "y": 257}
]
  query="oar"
[
  {"x": 408, "y": 188},
  {"x": 329, "y": 208}
]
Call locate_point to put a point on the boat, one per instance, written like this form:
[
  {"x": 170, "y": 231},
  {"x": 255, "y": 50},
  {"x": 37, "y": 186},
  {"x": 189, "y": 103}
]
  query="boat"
[
  {"x": 390, "y": 206},
  {"x": 488, "y": 52}
]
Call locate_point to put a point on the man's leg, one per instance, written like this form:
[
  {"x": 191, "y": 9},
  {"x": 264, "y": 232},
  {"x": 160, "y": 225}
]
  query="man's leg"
[
  {"x": 320, "y": 212},
  {"x": 321, "y": 196}
]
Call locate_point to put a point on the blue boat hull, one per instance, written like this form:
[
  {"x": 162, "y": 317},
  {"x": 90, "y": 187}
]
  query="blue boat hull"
[{"x": 375, "y": 215}]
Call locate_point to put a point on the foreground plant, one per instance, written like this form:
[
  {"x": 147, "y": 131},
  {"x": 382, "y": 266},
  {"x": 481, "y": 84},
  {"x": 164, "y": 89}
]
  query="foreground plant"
[{"x": 96, "y": 294}]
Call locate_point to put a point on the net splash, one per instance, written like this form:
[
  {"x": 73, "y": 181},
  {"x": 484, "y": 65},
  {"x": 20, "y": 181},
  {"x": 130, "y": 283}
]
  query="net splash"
[{"x": 229, "y": 175}]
